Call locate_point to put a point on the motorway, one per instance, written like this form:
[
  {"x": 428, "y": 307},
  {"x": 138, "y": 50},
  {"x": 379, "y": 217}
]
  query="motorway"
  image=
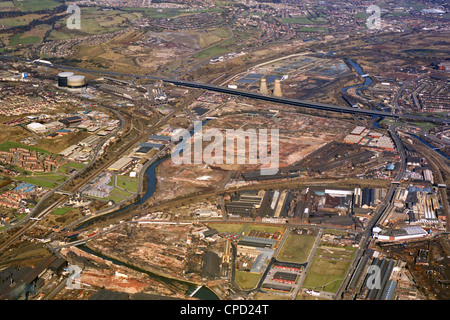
[
  {"x": 366, "y": 235},
  {"x": 246, "y": 94}
]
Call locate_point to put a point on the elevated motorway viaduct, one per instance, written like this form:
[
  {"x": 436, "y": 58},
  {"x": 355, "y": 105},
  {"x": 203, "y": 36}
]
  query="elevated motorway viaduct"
[
  {"x": 246, "y": 94},
  {"x": 301, "y": 103}
]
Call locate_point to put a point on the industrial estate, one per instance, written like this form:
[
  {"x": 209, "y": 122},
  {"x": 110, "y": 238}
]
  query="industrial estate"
[{"x": 93, "y": 205}]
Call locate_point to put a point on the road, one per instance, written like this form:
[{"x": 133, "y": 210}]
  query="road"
[
  {"x": 37, "y": 211},
  {"x": 246, "y": 94},
  {"x": 366, "y": 235}
]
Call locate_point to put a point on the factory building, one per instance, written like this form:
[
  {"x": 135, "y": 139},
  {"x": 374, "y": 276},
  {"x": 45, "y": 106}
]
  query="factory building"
[
  {"x": 406, "y": 233},
  {"x": 36, "y": 127},
  {"x": 120, "y": 164}
]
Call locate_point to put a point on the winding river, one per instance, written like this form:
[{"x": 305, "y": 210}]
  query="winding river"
[
  {"x": 203, "y": 293},
  {"x": 365, "y": 84}
]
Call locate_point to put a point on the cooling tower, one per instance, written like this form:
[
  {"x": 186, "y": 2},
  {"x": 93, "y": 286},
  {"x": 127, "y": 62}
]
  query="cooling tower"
[
  {"x": 277, "y": 88},
  {"x": 263, "y": 88}
]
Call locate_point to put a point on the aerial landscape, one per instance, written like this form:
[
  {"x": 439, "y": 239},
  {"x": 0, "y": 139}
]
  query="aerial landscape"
[{"x": 232, "y": 150}]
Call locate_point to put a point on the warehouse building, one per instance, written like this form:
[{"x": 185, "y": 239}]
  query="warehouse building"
[
  {"x": 211, "y": 265},
  {"x": 37, "y": 127},
  {"x": 121, "y": 164},
  {"x": 71, "y": 120}
]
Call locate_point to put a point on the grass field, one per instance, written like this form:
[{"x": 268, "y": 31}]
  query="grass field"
[
  {"x": 328, "y": 268},
  {"x": 17, "y": 39},
  {"x": 297, "y": 248},
  {"x": 62, "y": 211},
  {"x": 5, "y": 146},
  {"x": 313, "y": 29},
  {"x": 35, "y": 5},
  {"x": 118, "y": 195},
  {"x": 247, "y": 280},
  {"x": 19, "y": 21},
  {"x": 51, "y": 176},
  {"x": 227, "y": 227},
  {"x": 210, "y": 52},
  {"x": 39, "y": 182},
  {"x": 263, "y": 228},
  {"x": 65, "y": 169},
  {"x": 126, "y": 183},
  {"x": 300, "y": 20},
  {"x": 6, "y": 4}
]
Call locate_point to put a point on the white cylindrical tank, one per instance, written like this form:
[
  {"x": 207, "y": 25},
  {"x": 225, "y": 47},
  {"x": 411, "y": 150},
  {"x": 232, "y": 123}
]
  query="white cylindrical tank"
[{"x": 76, "y": 81}]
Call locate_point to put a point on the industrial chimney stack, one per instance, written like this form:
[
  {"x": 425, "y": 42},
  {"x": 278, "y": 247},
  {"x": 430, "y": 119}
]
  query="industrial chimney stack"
[
  {"x": 277, "y": 88},
  {"x": 263, "y": 87}
]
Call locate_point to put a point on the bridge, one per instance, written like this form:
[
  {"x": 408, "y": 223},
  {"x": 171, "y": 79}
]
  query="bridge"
[
  {"x": 301, "y": 103},
  {"x": 246, "y": 94}
]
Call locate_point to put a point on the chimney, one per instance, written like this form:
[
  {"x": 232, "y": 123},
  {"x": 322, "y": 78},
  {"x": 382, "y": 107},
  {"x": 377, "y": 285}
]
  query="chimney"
[
  {"x": 263, "y": 88},
  {"x": 277, "y": 88}
]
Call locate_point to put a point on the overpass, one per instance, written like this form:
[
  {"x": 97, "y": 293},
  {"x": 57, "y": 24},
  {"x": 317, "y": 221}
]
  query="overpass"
[
  {"x": 301, "y": 103},
  {"x": 246, "y": 94}
]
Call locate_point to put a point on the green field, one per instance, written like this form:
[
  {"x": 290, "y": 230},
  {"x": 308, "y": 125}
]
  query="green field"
[
  {"x": 62, "y": 211},
  {"x": 329, "y": 268},
  {"x": 210, "y": 52},
  {"x": 247, "y": 280},
  {"x": 5, "y": 146},
  {"x": 51, "y": 176},
  {"x": 39, "y": 182},
  {"x": 313, "y": 29},
  {"x": 263, "y": 228},
  {"x": 126, "y": 183},
  {"x": 17, "y": 39},
  {"x": 227, "y": 227},
  {"x": 6, "y": 4},
  {"x": 36, "y": 5},
  {"x": 118, "y": 195},
  {"x": 297, "y": 248},
  {"x": 300, "y": 20},
  {"x": 65, "y": 169}
]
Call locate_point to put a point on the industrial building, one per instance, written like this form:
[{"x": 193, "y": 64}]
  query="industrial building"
[
  {"x": 121, "y": 164},
  {"x": 407, "y": 233},
  {"x": 211, "y": 265},
  {"x": 149, "y": 145},
  {"x": 257, "y": 242},
  {"x": 37, "y": 127},
  {"x": 244, "y": 203},
  {"x": 71, "y": 120}
]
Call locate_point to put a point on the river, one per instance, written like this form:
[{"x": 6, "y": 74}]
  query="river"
[
  {"x": 203, "y": 293},
  {"x": 365, "y": 84}
]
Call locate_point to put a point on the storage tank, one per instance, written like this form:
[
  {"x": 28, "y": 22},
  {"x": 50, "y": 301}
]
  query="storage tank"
[
  {"x": 62, "y": 78},
  {"x": 76, "y": 81}
]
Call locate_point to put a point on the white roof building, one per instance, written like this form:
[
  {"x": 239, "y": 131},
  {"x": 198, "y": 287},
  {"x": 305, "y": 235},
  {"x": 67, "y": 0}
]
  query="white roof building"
[{"x": 37, "y": 127}]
